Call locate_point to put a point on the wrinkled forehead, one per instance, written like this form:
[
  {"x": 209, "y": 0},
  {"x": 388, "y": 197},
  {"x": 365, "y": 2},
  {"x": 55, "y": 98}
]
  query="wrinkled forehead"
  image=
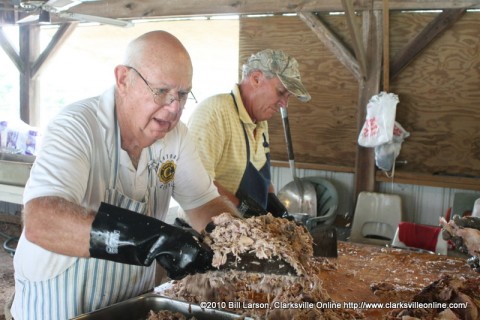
[{"x": 172, "y": 71}]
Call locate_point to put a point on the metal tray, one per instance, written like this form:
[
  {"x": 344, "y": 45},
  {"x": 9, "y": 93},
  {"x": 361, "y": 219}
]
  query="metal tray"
[
  {"x": 15, "y": 169},
  {"x": 139, "y": 307}
]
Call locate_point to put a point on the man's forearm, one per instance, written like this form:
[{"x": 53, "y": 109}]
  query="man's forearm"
[{"x": 58, "y": 225}]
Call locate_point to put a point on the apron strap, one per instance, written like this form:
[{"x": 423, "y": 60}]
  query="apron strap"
[
  {"x": 243, "y": 127},
  {"x": 116, "y": 150},
  {"x": 254, "y": 183}
]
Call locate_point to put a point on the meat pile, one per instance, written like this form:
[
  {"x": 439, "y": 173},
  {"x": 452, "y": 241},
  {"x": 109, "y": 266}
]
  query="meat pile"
[
  {"x": 259, "y": 295},
  {"x": 166, "y": 315},
  {"x": 265, "y": 236},
  {"x": 450, "y": 298}
]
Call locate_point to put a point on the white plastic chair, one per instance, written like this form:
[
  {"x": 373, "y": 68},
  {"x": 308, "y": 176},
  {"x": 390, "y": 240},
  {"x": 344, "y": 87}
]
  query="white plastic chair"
[
  {"x": 327, "y": 202},
  {"x": 476, "y": 208},
  {"x": 463, "y": 202},
  {"x": 376, "y": 218}
]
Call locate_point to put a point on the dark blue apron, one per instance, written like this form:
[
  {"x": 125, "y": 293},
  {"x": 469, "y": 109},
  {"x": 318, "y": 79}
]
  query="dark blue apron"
[{"x": 255, "y": 183}]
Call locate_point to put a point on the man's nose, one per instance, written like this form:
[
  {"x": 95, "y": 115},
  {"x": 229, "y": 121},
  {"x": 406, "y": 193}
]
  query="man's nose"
[
  {"x": 173, "y": 104},
  {"x": 283, "y": 103}
]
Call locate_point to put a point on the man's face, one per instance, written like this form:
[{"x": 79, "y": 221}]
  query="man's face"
[
  {"x": 156, "y": 100},
  {"x": 271, "y": 96}
]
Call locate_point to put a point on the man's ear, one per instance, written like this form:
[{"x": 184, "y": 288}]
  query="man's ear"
[
  {"x": 256, "y": 78},
  {"x": 121, "y": 78}
]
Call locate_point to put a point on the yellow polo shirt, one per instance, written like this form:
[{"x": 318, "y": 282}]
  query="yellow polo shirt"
[{"x": 218, "y": 129}]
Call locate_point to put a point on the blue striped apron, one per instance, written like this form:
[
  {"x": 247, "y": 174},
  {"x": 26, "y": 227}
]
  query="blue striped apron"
[{"x": 90, "y": 284}]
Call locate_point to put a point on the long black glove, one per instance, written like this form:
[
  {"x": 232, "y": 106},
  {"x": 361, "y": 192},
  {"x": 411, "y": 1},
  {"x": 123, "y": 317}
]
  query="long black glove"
[
  {"x": 276, "y": 207},
  {"x": 125, "y": 236},
  {"x": 249, "y": 207},
  {"x": 179, "y": 222}
]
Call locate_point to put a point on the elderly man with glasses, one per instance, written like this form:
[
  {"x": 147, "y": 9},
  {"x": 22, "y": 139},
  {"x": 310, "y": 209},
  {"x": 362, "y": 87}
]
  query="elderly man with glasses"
[
  {"x": 101, "y": 186},
  {"x": 235, "y": 148}
]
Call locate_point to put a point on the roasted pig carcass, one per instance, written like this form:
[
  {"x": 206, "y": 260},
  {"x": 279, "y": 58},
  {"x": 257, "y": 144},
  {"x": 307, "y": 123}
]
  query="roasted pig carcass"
[
  {"x": 465, "y": 228},
  {"x": 465, "y": 234}
]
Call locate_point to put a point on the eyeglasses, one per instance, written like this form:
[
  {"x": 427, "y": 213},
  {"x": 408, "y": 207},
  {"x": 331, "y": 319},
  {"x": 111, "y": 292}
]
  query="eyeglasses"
[{"x": 163, "y": 96}]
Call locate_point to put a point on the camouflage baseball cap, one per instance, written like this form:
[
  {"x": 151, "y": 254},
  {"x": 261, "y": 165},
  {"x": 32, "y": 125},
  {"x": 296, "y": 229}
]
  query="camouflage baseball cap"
[{"x": 283, "y": 66}]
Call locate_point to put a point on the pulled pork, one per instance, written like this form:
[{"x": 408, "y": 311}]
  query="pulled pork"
[
  {"x": 266, "y": 236},
  {"x": 166, "y": 315},
  {"x": 260, "y": 295}
]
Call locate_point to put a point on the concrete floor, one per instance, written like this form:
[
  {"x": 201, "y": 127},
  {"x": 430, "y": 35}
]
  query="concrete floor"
[{"x": 7, "y": 285}]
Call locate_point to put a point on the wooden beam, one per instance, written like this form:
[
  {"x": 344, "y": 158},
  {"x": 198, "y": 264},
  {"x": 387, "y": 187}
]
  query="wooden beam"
[
  {"x": 63, "y": 32},
  {"x": 331, "y": 42},
  {"x": 356, "y": 37},
  {"x": 314, "y": 166},
  {"x": 10, "y": 51},
  {"x": 29, "y": 47},
  {"x": 372, "y": 38},
  {"x": 125, "y": 9},
  {"x": 436, "y": 27},
  {"x": 425, "y": 179}
]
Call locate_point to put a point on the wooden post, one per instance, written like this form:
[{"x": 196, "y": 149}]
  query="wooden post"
[
  {"x": 29, "y": 45},
  {"x": 372, "y": 37},
  {"x": 29, "y": 65}
]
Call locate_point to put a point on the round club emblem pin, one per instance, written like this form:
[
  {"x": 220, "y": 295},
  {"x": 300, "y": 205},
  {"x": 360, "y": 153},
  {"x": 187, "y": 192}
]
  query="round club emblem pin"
[{"x": 166, "y": 173}]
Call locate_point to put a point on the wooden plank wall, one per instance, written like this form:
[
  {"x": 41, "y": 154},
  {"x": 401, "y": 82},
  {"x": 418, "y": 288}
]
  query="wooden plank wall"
[{"x": 439, "y": 94}]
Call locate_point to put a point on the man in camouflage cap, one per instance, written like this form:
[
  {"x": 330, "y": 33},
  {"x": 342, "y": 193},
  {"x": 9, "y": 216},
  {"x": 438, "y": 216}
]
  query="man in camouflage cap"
[
  {"x": 232, "y": 130},
  {"x": 278, "y": 63}
]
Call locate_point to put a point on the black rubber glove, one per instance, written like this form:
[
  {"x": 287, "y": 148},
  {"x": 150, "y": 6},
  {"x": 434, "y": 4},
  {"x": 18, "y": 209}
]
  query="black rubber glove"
[
  {"x": 276, "y": 207},
  {"x": 125, "y": 236},
  {"x": 185, "y": 225},
  {"x": 249, "y": 207},
  {"x": 179, "y": 222}
]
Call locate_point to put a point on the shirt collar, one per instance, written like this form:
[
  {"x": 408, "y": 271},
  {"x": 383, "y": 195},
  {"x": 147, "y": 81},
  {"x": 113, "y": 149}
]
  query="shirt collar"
[{"x": 243, "y": 114}]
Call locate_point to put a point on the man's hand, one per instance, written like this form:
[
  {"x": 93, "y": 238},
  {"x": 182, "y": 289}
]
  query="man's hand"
[
  {"x": 125, "y": 236},
  {"x": 276, "y": 207}
]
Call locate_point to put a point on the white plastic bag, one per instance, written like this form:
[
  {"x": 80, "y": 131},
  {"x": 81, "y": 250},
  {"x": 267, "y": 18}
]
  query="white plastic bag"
[
  {"x": 17, "y": 137},
  {"x": 387, "y": 153},
  {"x": 380, "y": 119}
]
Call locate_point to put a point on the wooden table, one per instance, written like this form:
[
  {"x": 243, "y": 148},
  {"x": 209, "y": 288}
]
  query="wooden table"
[{"x": 361, "y": 273}]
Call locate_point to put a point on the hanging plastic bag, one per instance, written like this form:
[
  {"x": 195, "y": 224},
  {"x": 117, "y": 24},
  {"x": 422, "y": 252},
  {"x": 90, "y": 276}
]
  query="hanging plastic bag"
[
  {"x": 380, "y": 119},
  {"x": 387, "y": 153}
]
